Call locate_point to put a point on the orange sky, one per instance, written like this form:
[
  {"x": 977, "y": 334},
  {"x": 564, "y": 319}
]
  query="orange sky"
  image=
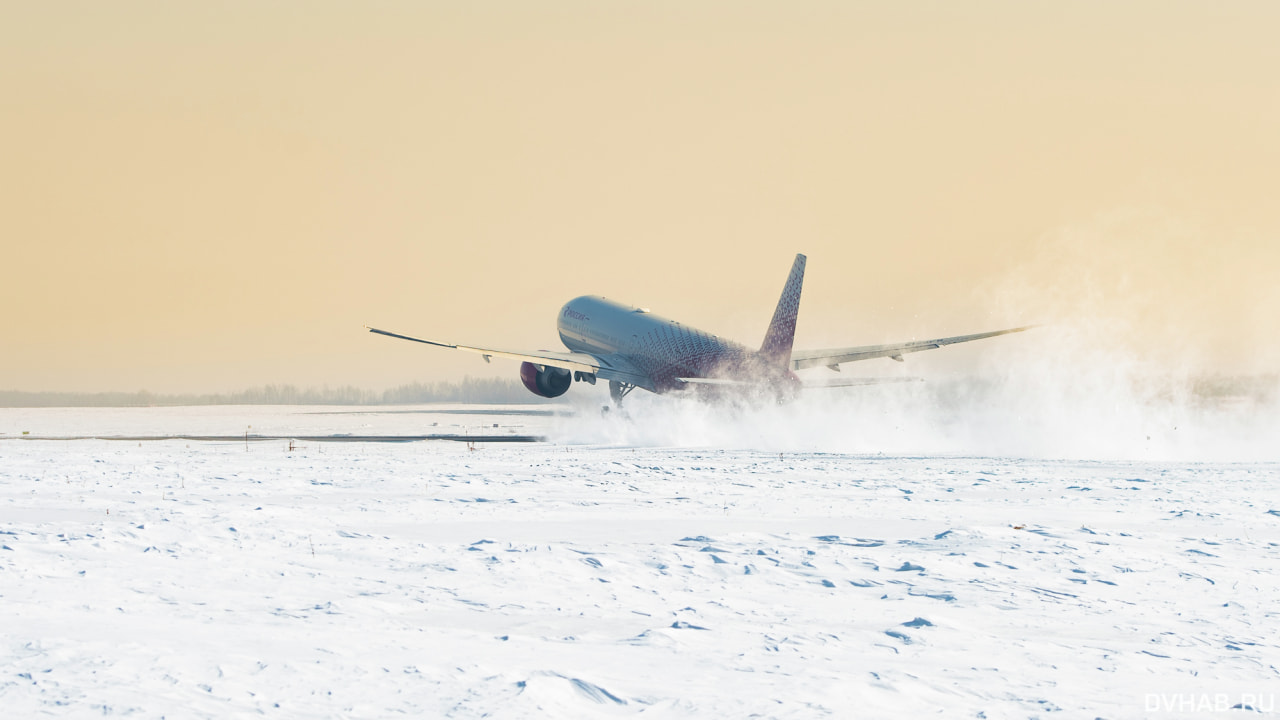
[{"x": 209, "y": 196}]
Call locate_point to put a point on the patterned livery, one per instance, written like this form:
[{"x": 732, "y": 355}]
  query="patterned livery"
[{"x": 631, "y": 347}]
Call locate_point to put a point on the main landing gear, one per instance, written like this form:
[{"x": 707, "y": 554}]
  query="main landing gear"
[{"x": 619, "y": 390}]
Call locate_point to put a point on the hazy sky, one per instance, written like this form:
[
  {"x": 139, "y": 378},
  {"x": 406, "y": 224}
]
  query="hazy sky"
[{"x": 211, "y": 196}]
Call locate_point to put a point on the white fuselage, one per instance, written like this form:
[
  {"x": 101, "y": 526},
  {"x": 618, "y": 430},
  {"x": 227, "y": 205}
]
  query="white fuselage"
[{"x": 661, "y": 348}]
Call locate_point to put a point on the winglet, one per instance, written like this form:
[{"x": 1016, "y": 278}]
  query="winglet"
[{"x": 782, "y": 329}]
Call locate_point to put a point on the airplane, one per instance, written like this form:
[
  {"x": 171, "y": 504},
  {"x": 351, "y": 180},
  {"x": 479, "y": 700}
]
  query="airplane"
[{"x": 631, "y": 347}]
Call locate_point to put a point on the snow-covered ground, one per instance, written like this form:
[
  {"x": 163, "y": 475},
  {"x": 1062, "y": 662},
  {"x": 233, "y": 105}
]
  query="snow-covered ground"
[{"x": 623, "y": 577}]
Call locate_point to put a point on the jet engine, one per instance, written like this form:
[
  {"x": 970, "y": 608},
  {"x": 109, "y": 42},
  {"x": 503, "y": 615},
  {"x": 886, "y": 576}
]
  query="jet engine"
[{"x": 545, "y": 380}]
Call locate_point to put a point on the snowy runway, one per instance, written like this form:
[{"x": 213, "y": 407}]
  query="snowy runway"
[{"x": 198, "y": 579}]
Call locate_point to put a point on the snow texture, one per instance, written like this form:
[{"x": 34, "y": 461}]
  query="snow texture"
[{"x": 217, "y": 579}]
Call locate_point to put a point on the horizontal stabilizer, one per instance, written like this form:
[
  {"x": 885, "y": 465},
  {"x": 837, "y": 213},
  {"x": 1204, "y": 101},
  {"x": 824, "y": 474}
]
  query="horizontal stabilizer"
[
  {"x": 837, "y": 383},
  {"x": 854, "y": 382}
]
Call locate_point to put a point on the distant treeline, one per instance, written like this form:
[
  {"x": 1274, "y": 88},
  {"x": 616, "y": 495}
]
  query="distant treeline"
[
  {"x": 470, "y": 390},
  {"x": 1261, "y": 387},
  {"x": 1208, "y": 389}
]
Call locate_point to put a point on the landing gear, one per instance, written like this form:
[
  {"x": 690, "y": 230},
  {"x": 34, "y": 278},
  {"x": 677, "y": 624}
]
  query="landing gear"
[{"x": 619, "y": 390}]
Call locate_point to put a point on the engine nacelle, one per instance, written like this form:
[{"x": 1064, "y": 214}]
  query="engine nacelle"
[{"x": 548, "y": 382}]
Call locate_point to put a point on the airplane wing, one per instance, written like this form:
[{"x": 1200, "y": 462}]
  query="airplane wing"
[
  {"x": 607, "y": 367},
  {"x": 832, "y": 358}
]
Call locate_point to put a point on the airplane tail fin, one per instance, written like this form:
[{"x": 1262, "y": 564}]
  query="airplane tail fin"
[{"x": 782, "y": 329}]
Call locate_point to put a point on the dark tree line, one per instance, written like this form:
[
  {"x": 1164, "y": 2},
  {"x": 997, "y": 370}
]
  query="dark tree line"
[{"x": 469, "y": 390}]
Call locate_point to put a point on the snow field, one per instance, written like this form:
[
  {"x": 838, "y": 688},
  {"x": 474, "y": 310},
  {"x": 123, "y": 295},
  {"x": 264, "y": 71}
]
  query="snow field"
[{"x": 190, "y": 579}]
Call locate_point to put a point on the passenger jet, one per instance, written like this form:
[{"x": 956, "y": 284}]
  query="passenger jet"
[{"x": 632, "y": 348}]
